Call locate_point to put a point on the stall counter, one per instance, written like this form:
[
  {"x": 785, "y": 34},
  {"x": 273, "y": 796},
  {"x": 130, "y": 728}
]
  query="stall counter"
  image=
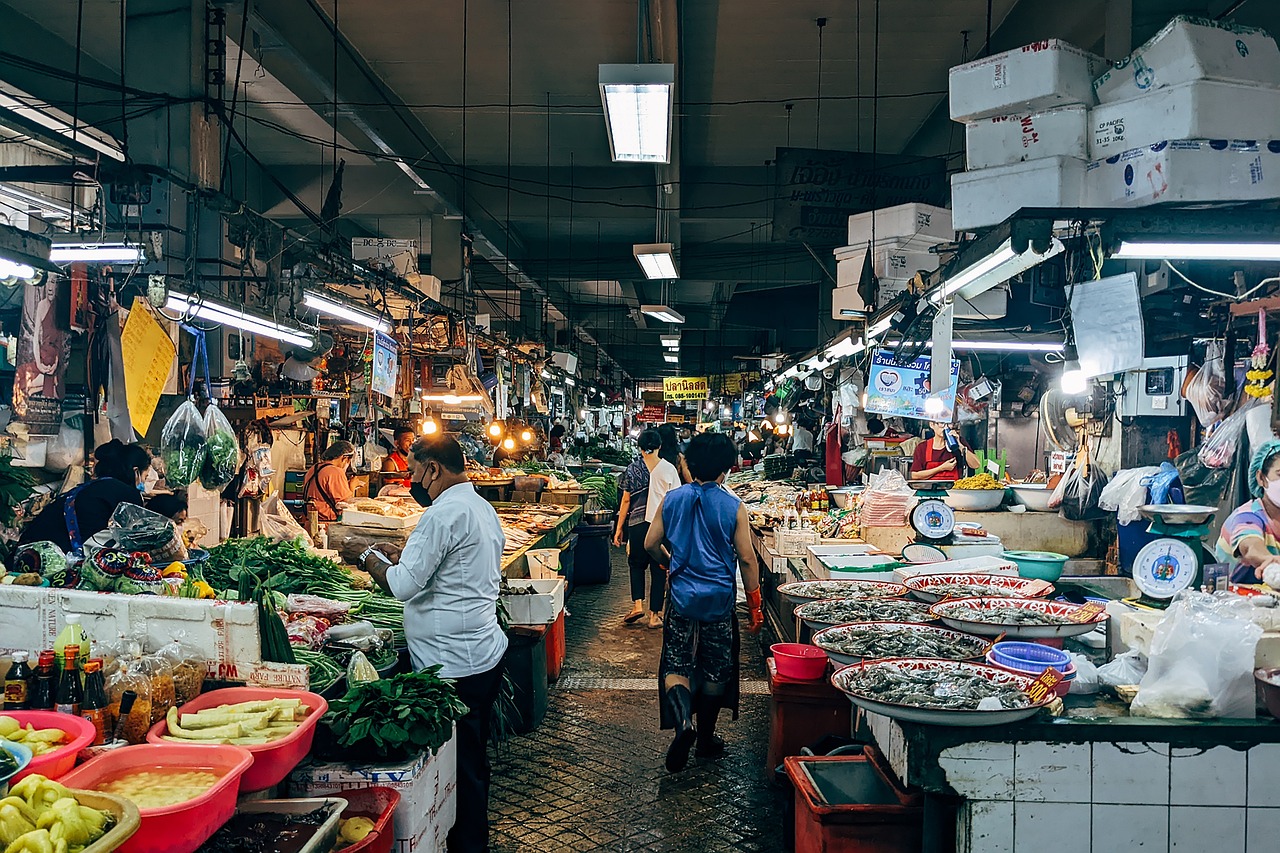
[{"x": 1023, "y": 531}]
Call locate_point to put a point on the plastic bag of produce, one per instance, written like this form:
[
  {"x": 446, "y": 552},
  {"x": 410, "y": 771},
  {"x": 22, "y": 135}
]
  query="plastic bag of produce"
[
  {"x": 1079, "y": 490},
  {"x": 359, "y": 670},
  {"x": 183, "y": 445},
  {"x": 188, "y": 667},
  {"x": 1205, "y": 391},
  {"x": 222, "y": 450},
  {"x": 1125, "y": 492},
  {"x": 138, "y": 719},
  {"x": 279, "y": 524},
  {"x": 137, "y": 528},
  {"x": 1219, "y": 451},
  {"x": 1202, "y": 657}
]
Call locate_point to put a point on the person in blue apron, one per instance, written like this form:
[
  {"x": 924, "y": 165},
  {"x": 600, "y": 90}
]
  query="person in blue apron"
[
  {"x": 701, "y": 531},
  {"x": 74, "y": 517}
]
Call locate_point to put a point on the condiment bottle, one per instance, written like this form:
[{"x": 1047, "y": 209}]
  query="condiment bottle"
[
  {"x": 70, "y": 692},
  {"x": 73, "y": 636},
  {"x": 93, "y": 707},
  {"x": 44, "y": 686},
  {"x": 127, "y": 698},
  {"x": 17, "y": 684}
]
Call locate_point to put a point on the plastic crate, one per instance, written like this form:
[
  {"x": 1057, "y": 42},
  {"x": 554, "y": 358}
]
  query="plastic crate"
[
  {"x": 847, "y": 804},
  {"x": 379, "y": 804}
]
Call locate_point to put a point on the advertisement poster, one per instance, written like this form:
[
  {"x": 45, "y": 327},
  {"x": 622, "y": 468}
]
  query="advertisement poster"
[
  {"x": 651, "y": 414},
  {"x": 39, "y": 381},
  {"x": 900, "y": 388},
  {"x": 385, "y": 363},
  {"x": 684, "y": 388}
]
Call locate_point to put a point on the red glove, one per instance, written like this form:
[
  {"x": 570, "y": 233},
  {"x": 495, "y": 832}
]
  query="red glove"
[{"x": 754, "y": 605}]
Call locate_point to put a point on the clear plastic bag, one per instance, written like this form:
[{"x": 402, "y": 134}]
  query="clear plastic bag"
[
  {"x": 188, "y": 669},
  {"x": 1202, "y": 658},
  {"x": 1123, "y": 670},
  {"x": 222, "y": 450},
  {"x": 1206, "y": 390},
  {"x": 183, "y": 445},
  {"x": 138, "y": 721},
  {"x": 359, "y": 670},
  {"x": 1079, "y": 490},
  {"x": 1125, "y": 492},
  {"x": 279, "y": 524},
  {"x": 1086, "y": 680},
  {"x": 137, "y": 528},
  {"x": 158, "y": 671},
  {"x": 1219, "y": 451}
]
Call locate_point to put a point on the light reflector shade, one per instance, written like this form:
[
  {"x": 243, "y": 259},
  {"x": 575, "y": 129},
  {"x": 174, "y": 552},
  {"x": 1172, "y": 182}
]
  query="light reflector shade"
[
  {"x": 215, "y": 312},
  {"x": 638, "y": 102},
  {"x": 658, "y": 260},
  {"x": 343, "y": 311},
  {"x": 662, "y": 313}
]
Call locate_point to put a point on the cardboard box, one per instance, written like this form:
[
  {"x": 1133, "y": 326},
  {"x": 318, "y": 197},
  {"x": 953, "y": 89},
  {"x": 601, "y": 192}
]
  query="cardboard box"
[
  {"x": 1201, "y": 110},
  {"x": 1039, "y": 76},
  {"x": 428, "y": 793},
  {"x": 917, "y": 226},
  {"x": 987, "y": 197},
  {"x": 541, "y": 608},
  {"x": 1001, "y": 140},
  {"x": 890, "y": 261},
  {"x": 1194, "y": 171},
  {"x": 1190, "y": 49}
]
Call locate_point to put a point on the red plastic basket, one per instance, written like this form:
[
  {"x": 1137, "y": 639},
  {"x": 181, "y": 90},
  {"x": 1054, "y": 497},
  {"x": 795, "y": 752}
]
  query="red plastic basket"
[
  {"x": 55, "y": 764},
  {"x": 378, "y": 803}
]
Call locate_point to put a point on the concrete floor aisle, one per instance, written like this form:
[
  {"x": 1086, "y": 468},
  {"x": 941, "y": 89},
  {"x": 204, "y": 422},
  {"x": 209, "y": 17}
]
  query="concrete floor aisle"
[{"x": 591, "y": 777}]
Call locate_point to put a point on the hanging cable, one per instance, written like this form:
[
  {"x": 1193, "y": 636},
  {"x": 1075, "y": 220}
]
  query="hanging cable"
[
  {"x": 235, "y": 91},
  {"x": 817, "y": 110}
]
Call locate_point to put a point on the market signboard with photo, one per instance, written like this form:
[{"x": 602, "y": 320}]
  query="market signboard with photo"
[
  {"x": 44, "y": 346},
  {"x": 900, "y": 388},
  {"x": 385, "y": 363},
  {"x": 684, "y": 388}
]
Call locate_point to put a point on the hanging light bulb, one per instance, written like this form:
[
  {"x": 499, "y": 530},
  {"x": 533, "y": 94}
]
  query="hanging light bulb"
[
  {"x": 526, "y": 435},
  {"x": 509, "y": 443},
  {"x": 783, "y": 429},
  {"x": 1073, "y": 380},
  {"x": 780, "y": 418},
  {"x": 495, "y": 429},
  {"x": 429, "y": 426}
]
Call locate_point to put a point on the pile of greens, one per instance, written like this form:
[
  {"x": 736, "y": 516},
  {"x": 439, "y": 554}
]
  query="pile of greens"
[
  {"x": 396, "y": 718},
  {"x": 293, "y": 568},
  {"x": 604, "y": 487},
  {"x": 15, "y": 487}
]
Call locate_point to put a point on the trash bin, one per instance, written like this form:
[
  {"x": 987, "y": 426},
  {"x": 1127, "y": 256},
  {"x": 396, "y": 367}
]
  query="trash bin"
[
  {"x": 526, "y": 665},
  {"x": 847, "y": 804},
  {"x": 591, "y": 561},
  {"x": 568, "y": 557}
]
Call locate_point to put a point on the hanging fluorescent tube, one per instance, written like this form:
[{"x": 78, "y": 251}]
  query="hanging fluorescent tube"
[
  {"x": 662, "y": 313},
  {"x": 1191, "y": 251},
  {"x": 343, "y": 311},
  {"x": 452, "y": 399},
  {"x": 671, "y": 358},
  {"x": 51, "y": 118},
  {"x": 109, "y": 253},
  {"x": 13, "y": 269},
  {"x": 638, "y": 102},
  {"x": 671, "y": 341},
  {"x": 44, "y": 207},
  {"x": 998, "y": 267},
  {"x": 658, "y": 260},
  {"x": 568, "y": 380},
  {"x": 880, "y": 328},
  {"x": 1005, "y": 346},
  {"x": 213, "y": 312}
]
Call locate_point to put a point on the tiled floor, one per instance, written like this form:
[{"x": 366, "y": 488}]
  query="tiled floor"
[{"x": 591, "y": 777}]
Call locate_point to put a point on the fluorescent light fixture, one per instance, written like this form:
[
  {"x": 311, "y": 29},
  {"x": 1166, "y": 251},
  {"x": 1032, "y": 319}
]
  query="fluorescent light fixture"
[
  {"x": 671, "y": 358},
  {"x": 343, "y": 311},
  {"x": 568, "y": 380},
  {"x": 996, "y": 268},
  {"x": 214, "y": 312},
  {"x": 1192, "y": 251},
  {"x": 638, "y": 102},
  {"x": 662, "y": 313},
  {"x": 658, "y": 260},
  {"x": 545, "y": 374},
  {"x": 13, "y": 269},
  {"x": 880, "y": 328},
  {"x": 45, "y": 207},
  {"x": 36, "y": 111},
  {"x": 843, "y": 348},
  {"x": 107, "y": 253},
  {"x": 671, "y": 341},
  {"x": 1004, "y": 346},
  {"x": 452, "y": 399},
  {"x": 849, "y": 312}
]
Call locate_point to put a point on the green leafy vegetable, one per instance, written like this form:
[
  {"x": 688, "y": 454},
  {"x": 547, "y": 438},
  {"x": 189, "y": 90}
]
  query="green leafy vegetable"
[{"x": 395, "y": 718}]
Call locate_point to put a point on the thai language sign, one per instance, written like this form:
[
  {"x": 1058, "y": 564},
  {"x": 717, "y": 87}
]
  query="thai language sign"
[
  {"x": 900, "y": 388},
  {"x": 684, "y": 387}
]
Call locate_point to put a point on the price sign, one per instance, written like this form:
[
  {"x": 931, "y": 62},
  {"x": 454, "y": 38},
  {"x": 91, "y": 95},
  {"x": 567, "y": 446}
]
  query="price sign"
[
  {"x": 1043, "y": 686},
  {"x": 1087, "y": 612}
]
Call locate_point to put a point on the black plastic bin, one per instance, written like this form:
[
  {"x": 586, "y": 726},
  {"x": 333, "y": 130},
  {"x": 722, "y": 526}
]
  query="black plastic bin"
[
  {"x": 591, "y": 562},
  {"x": 568, "y": 564},
  {"x": 526, "y": 666}
]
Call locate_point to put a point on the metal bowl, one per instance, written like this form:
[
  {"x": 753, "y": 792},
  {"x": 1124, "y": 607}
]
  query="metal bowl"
[
  {"x": 930, "y": 485},
  {"x": 1034, "y": 496},
  {"x": 843, "y": 497},
  {"x": 974, "y": 500},
  {"x": 1177, "y": 513}
]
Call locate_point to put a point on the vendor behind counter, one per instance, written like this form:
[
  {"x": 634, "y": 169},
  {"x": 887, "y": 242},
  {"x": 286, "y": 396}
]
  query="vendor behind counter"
[
  {"x": 74, "y": 517},
  {"x": 942, "y": 455},
  {"x": 1250, "y": 538}
]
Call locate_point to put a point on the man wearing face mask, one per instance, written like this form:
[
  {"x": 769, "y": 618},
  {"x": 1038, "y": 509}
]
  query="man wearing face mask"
[{"x": 448, "y": 577}]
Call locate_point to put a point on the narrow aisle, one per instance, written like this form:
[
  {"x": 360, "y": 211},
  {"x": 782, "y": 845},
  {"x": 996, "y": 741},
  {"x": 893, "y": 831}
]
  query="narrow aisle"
[{"x": 591, "y": 777}]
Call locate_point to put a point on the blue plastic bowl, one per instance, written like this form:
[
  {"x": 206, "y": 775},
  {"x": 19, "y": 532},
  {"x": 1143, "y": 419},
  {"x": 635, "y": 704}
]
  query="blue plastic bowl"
[
  {"x": 23, "y": 755},
  {"x": 1039, "y": 565},
  {"x": 1028, "y": 656}
]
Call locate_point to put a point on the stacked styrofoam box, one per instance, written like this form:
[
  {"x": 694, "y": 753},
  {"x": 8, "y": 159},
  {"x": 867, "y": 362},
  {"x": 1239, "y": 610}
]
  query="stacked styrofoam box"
[
  {"x": 886, "y": 262},
  {"x": 1187, "y": 171},
  {"x": 902, "y": 236},
  {"x": 913, "y": 225},
  {"x": 1026, "y": 131}
]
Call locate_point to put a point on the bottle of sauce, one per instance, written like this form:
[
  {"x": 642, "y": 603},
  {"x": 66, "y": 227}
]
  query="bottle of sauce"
[
  {"x": 70, "y": 691},
  {"x": 44, "y": 685},
  {"x": 93, "y": 707},
  {"x": 17, "y": 684},
  {"x": 74, "y": 637}
]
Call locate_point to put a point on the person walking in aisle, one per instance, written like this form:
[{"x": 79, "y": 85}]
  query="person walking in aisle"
[
  {"x": 448, "y": 577},
  {"x": 670, "y": 451},
  {"x": 644, "y": 484},
  {"x": 701, "y": 531}
]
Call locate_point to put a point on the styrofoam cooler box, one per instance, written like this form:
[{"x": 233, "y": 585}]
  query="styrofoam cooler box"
[
  {"x": 1187, "y": 171},
  {"x": 991, "y": 305},
  {"x": 541, "y": 608},
  {"x": 847, "y": 304},
  {"x": 1039, "y": 76},
  {"x": 904, "y": 225},
  {"x": 1001, "y": 140},
  {"x": 987, "y": 197},
  {"x": 1200, "y": 110},
  {"x": 886, "y": 262},
  {"x": 428, "y": 786},
  {"x": 1189, "y": 49}
]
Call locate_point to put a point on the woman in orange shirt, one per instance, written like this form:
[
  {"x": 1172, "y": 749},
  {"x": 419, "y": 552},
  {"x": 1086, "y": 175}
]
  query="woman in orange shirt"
[{"x": 326, "y": 486}]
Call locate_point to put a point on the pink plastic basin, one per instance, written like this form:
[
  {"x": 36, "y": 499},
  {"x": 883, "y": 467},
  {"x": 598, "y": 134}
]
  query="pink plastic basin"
[
  {"x": 799, "y": 661},
  {"x": 182, "y": 827},
  {"x": 54, "y": 765},
  {"x": 271, "y": 761}
]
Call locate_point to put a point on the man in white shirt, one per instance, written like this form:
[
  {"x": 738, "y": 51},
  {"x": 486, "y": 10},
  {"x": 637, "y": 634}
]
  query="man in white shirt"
[
  {"x": 448, "y": 578},
  {"x": 801, "y": 441}
]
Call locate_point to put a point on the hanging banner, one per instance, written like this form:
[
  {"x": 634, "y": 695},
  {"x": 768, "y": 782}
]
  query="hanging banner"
[
  {"x": 44, "y": 345},
  {"x": 149, "y": 354},
  {"x": 652, "y": 415},
  {"x": 900, "y": 388},
  {"x": 684, "y": 387},
  {"x": 385, "y": 363}
]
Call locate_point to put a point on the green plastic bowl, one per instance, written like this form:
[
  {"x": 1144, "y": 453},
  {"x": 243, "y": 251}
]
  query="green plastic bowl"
[{"x": 1041, "y": 565}]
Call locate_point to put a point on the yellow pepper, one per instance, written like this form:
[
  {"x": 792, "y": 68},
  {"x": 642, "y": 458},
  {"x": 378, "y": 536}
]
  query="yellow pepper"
[
  {"x": 37, "y": 841},
  {"x": 174, "y": 570}
]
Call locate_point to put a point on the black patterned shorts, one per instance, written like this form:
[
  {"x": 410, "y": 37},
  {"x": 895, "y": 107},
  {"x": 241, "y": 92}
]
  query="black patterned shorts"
[{"x": 688, "y": 644}]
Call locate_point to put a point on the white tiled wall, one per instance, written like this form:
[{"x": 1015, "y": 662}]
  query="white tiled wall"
[{"x": 1103, "y": 797}]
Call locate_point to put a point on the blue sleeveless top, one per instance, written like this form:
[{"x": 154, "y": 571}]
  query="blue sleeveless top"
[{"x": 699, "y": 520}]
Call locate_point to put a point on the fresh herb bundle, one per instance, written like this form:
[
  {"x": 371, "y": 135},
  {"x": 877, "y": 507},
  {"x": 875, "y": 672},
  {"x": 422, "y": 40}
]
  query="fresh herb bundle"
[
  {"x": 395, "y": 718},
  {"x": 293, "y": 568}
]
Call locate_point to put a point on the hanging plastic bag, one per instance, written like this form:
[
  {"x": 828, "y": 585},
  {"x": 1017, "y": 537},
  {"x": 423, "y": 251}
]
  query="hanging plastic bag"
[
  {"x": 1123, "y": 669},
  {"x": 279, "y": 524},
  {"x": 1220, "y": 449},
  {"x": 1162, "y": 483},
  {"x": 183, "y": 445},
  {"x": 1076, "y": 496},
  {"x": 1205, "y": 391},
  {"x": 222, "y": 456},
  {"x": 1202, "y": 657},
  {"x": 1126, "y": 492}
]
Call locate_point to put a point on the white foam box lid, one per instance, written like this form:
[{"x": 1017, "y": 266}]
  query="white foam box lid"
[
  {"x": 1188, "y": 49},
  {"x": 1037, "y": 76},
  {"x": 541, "y": 608},
  {"x": 1187, "y": 171},
  {"x": 986, "y": 197},
  {"x": 816, "y": 553},
  {"x": 911, "y": 224},
  {"x": 427, "y": 786},
  {"x": 1001, "y": 140},
  {"x": 987, "y": 565},
  {"x": 1202, "y": 110}
]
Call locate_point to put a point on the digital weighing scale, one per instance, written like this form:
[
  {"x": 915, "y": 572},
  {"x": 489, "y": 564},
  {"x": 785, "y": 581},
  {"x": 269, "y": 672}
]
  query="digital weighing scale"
[{"x": 1168, "y": 565}]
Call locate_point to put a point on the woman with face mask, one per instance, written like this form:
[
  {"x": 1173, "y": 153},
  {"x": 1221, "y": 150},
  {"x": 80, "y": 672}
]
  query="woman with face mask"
[{"x": 1250, "y": 538}]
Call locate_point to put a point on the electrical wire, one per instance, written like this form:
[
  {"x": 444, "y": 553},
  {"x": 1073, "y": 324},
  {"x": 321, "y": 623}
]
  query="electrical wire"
[{"x": 1232, "y": 297}]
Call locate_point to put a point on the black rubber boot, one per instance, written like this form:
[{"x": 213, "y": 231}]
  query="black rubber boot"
[
  {"x": 680, "y": 703},
  {"x": 709, "y": 746}
]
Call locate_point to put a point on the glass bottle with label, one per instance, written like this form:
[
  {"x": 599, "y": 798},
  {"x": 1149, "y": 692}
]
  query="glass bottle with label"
[
  {"x": 70, "y": 691},
  {"x": 93, "y": 707},
  {"x": 44, "y": 687},
  {"x": 17, "y": 684}
]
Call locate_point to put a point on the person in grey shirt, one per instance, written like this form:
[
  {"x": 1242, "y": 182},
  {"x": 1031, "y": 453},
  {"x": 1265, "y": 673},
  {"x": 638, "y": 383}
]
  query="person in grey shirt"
[{"x": 448, "y": 578}]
